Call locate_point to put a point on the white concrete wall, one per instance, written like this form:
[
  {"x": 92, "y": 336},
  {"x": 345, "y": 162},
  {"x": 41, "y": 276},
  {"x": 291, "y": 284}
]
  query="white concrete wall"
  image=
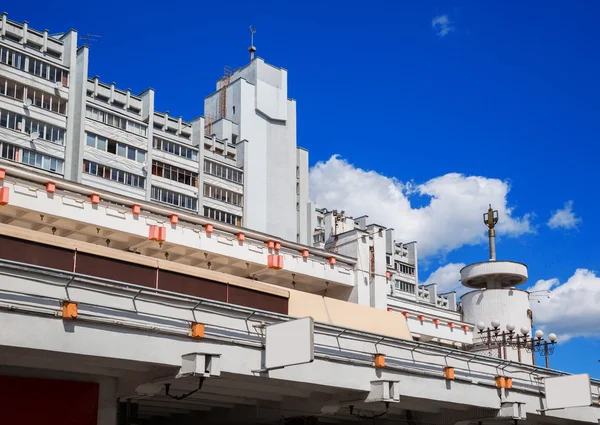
[
  {"x": 302, "y": 197},
  {"x": 76, "y": 107},
  {"x": 356, "y": 244},
  {"x": 378, "y": 283},
  {"x": 255, "y": 161},
  {"x": 509, "y": 306},
  {"x": 281, "y": 173},
  {"x": 267, "y": 121}
]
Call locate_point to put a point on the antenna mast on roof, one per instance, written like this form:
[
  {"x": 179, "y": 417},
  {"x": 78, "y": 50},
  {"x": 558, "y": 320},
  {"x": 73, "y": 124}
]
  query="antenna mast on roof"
[
  {"x": 89, "y": 39},
  {"x": 252, "y": 49},
  {"x": 490, "y": 219}
]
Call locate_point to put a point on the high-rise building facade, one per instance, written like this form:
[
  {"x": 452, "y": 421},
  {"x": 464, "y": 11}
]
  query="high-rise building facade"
[{"x": 241, "y": 166}]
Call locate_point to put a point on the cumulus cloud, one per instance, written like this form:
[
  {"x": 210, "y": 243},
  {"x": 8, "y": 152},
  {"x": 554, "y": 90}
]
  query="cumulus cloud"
[
  {"x": 447, "y": 278},
  {"x": 564, "y": 218},
  {"x": 442, "y": 25},
  {"x": 451, "y": 219},
  {"x": 569, "y": 309}
]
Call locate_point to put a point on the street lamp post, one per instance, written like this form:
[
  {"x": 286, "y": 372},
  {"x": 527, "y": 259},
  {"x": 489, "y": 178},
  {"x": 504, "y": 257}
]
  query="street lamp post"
[{"x": 494, "y": 336}]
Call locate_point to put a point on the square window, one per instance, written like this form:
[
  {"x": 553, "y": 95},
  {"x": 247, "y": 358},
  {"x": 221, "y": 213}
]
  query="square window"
[
  {"x": 121, "y": 150},
  {"x": 112, "y": 146},
  {"x": 101, "y": 143}
]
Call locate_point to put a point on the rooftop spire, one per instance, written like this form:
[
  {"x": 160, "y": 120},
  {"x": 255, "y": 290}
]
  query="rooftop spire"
[
  {"x": 490, "y": 219},
  {"x": 252, "y": 49}
]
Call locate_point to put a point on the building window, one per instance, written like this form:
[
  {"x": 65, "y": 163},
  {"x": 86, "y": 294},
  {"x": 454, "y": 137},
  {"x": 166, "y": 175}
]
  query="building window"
[
  {"x": 223, "y": 195},
  {"x": 402, "y": 268},
  {"x": 32, "y": 158},
  {"x": 114, "y": 174},
  {"x": 30, "y": 126},
  {"x": 44, "y": 131},
  {"x": 46, "y": 101},
  {"x": 11, "y": 88},
  {"x": 36, "y": 66},
  {"x": 223, "y": 216},
  {"x": 115, "y": 121},
  {"x": 116, "y": 148},
  {"x": 136, "y": 128},
  {"x": 173, "y": 198},
  {"x": 222, "y": 171},
  {"x": 407, "y": 287},
  {"x": 176, "y": 174},
  {"x": 175, "y": 149}
]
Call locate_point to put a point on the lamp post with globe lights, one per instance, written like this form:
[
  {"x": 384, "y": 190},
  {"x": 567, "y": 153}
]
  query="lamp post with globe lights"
[
  {"x": 545, "y": 348},
  {"x": 495, "y": 336}
]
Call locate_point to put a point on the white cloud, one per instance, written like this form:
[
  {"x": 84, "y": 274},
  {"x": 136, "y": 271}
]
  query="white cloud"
[
  {"x": 442, "y": 25},
  {"x": 564, "y": 218},
  {"x": 570, "y": 309},
  {"x": 451, "y": 219},
  {"x": 447, "y": 278}
]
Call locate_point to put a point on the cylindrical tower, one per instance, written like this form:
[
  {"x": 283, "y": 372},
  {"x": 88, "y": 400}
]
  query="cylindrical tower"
[{"x": 501, "y": 313}]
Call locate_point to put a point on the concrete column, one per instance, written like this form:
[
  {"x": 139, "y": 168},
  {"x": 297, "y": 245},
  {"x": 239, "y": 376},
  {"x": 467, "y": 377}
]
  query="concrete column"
[
  {"x": 75, "y": 140},
  {"x": 107, "y": 402},
  {"x": 45, "y": 42},
  {"x": 25, "y": 32},
  {"x": 302, "y": 197},
  {"x": 112, "y": 93},
  {"x": 3, "y": 31},
  {"x": 378, "y": 283},
  {"x": 148, "y": 113},
  {"x": 198, "y": 140}
]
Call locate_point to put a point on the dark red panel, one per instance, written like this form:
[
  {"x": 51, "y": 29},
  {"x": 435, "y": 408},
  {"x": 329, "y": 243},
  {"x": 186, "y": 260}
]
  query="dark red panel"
[
  {"x": 121, "y": 271},
  {"x": 34, "y": 401},
  {"x": 36, "y": 254},
  {"x": 190, "y": 285},
  {"x": 254, "y": 299}
]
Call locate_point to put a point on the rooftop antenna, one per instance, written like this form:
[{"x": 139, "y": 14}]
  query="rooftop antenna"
[
  {"x": 490, "y": 219},
  {"x": 89, "y": 39},
  {"x": 252, "y": 49}
]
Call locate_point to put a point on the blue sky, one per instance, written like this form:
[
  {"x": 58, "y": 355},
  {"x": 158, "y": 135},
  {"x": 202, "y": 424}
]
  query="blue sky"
[{"x": 504, "y": 94}]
